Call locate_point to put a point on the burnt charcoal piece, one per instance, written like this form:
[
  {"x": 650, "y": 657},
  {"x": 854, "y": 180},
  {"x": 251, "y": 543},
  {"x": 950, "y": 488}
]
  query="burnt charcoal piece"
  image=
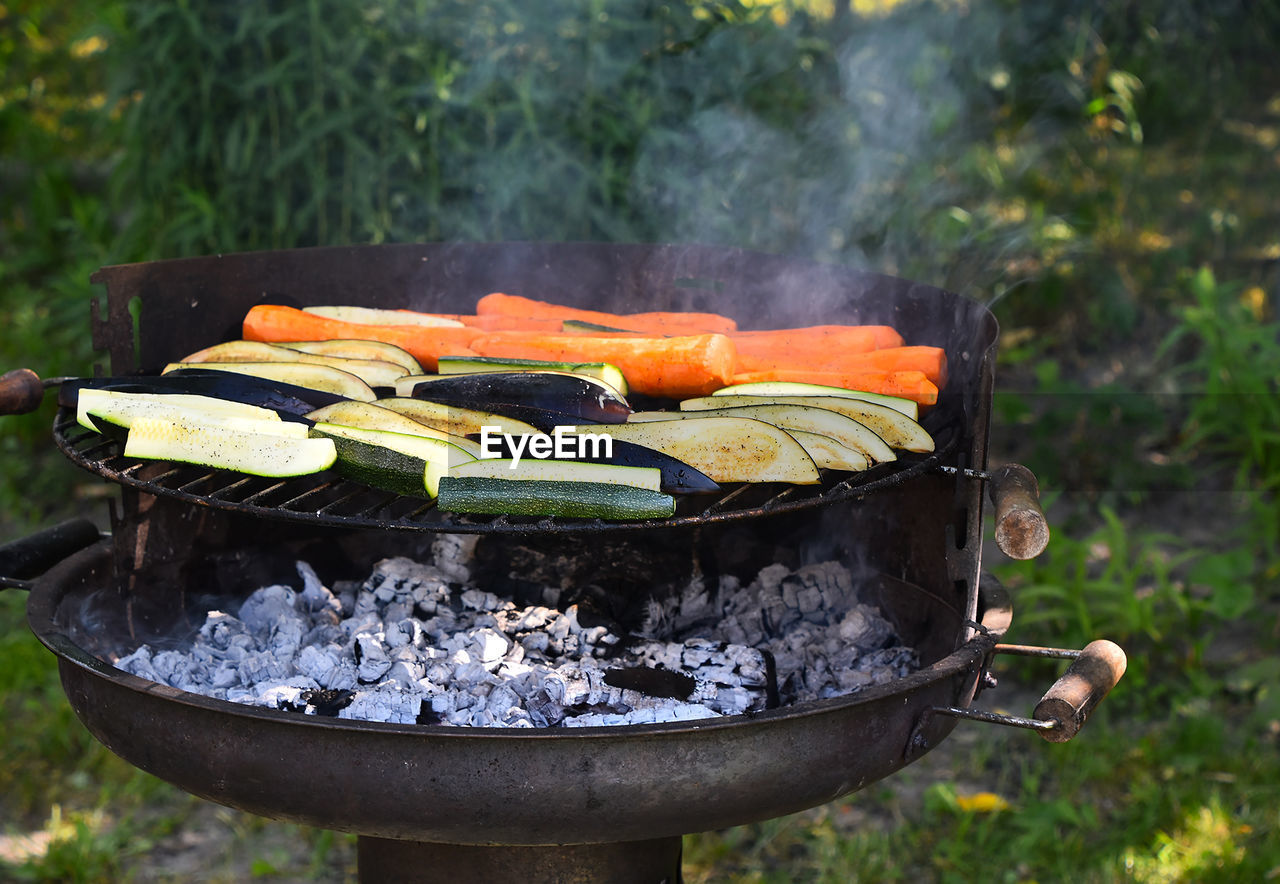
[
  {"x": 325, "y": 702},
  {"x": 652, "y": 682},
  {"x": 771, "y": 698}
]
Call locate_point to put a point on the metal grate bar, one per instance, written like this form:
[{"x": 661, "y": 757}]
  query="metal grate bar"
[
  {"x": 329, "y": 507},
  {"x": 220, "y": 494},
  {"x": 420, "y": 511},
  {"x": 197, "y": 481},
  {"x": 724, "y": 501},
  {"x": 778, "y": 498},
  {"x": 169, "y": 473},
  {"x": 258, "y": 495},
  {"x": 289, "y": 504},
  {"x": 129, "y": 470},
  {"x": 386, "y": 501},
  {"x": 102, "y": 445}
]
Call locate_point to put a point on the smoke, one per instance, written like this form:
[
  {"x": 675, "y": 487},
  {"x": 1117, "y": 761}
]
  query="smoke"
[{"x": 855, "y": 170}]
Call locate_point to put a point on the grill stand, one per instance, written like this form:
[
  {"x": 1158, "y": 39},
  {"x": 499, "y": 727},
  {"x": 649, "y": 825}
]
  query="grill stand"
[{"x": 654, "y": 861}]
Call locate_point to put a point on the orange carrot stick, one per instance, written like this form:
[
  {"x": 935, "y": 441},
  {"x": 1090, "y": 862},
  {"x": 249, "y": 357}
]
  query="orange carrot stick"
[
  {"x": 676, "y": 367},
  {"x": 273, "y": 323},
  {"x": 907, "y": 384},
  {"x": 812, "y": 347},
  {"x": 502, "y": 322},
  {"x": 854, "y": 337},
  {"x": 657, "y": 322},
  {"x": 930, "y": 360}
]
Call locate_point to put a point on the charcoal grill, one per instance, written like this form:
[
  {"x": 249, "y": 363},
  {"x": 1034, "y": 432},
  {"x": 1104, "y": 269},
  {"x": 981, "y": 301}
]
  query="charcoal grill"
[{"x": 591, "y": 804}]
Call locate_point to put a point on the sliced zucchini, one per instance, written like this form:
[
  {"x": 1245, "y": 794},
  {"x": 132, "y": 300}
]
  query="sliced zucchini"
[
  {"x": 727, "y": 449},
  {"x": 560, "y": 471},
  {"x": 894, "y": 427},
  {"x": 455, "y": 419},
  {"x": 529, "y": 497},
  {"x": 121, "y": 408},
  {"x": 358, "y": 348},
  {"x": 600, "y": 371},
  {"x": 372, "y": 416},
  {"x": 842, "y": 428},
  {"x": 397, "y": 462},
  {"x": 375, "y": 373},
  {"x": 301, "y": 374},
  {"x": 775, "y": 389},
  {"x": 376, "y": 316},
  {"x": 247, "y": 452}
]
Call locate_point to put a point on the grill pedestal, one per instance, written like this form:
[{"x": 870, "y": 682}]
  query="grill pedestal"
[{"x": 655, "y": 861}]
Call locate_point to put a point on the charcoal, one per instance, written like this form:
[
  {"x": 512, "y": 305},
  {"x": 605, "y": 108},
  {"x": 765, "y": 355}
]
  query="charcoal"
[
  {"x": 654, "y": 682},
  {"x": 415, "y": 643}
]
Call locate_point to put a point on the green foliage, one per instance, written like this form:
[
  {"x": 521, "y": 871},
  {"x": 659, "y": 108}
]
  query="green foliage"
[
  {"x": 1235, "y": 373},
  {"x": 1129, "y": 587},
  {"x": 59, "y": 131}
]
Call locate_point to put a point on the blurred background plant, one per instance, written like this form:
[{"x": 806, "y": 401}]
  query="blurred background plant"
[{"x": 1105, "y": 175}]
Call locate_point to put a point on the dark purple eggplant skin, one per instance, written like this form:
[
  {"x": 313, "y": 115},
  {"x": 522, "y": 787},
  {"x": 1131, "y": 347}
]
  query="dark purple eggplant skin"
[
  {"x": 579, "y": 399},
  {"x": 290, "y": 401},
  {"x": 675, "y": 476}
]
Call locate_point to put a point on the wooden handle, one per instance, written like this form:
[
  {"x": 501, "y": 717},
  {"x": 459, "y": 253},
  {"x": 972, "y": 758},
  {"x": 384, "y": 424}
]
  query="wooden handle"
[
  {"x": 1022, "y": 531},
  {"x": 1082, "y": 687},
  {"x": 21, "y": 391}
]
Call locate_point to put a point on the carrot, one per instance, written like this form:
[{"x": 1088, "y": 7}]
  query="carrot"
[
  {"x": 273, "y": 323},
  {"x": 930, "y": 360},
  {"x": 675, "y": 367},
  {"x": 907, "y": 384},
  {"x": 502, "y": 322},
  {"x": 813, "y": 347},
  {"x": 859, "y": 337},
  {"x": 657, "y": 322}
]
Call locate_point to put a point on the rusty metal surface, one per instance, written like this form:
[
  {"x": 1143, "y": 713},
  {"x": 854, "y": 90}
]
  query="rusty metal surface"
[{"x": 481, "y": 786}]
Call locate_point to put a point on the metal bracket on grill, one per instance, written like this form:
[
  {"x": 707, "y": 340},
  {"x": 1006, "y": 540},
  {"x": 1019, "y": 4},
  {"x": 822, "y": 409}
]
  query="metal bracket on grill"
[
  {"x": 1022, "y": 531},
  {"x": 1063, "y": 709}
]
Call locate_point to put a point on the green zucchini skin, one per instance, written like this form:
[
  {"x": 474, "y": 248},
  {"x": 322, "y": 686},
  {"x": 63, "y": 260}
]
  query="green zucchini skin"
[
  {"x": 374, "y": 458},
  {"x": 677, "y": 477},
  {"x": 378, "y": 467},
  {"x": 531, "y": 497}
]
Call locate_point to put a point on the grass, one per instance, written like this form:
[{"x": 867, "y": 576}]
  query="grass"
[{"x": 1103, "y": 176}]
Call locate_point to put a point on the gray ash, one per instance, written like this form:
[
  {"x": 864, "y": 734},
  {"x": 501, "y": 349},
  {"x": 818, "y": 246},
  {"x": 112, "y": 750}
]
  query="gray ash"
[{"x": 418, "y": 642}]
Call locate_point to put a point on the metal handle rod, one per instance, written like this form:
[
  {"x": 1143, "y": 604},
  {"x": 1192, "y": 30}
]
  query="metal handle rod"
[
  {"x": 1037, "y": 651},
  {"x": 1034, "y": 724}
]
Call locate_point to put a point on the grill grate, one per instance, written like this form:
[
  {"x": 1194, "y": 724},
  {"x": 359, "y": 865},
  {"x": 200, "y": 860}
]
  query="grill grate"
[{"x": 330, "y": 500}]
